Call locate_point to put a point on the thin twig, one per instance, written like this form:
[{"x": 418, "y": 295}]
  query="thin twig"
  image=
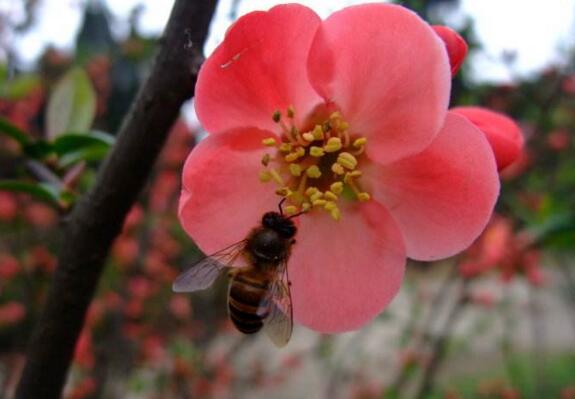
[{"x": 98, "y": 217}]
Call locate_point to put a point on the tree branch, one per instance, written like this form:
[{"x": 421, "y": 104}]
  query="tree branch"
[{"x": 98, "y": 217}]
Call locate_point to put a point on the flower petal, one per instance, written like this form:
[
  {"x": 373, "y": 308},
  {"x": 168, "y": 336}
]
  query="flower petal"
[
  {"x": 222, "y": 197},
  {"x": 443, "y": 197},
  {"x": 502, "y": 132},
  {"x": 344, "y": 273},
  {"x": 259, "y": 68},
  {"x": 455, "y": 45},
  {"x": 389, "y": 74}
]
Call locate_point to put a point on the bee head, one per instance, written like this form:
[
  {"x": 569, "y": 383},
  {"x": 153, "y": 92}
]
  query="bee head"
[{"x": 280, "y": 224}]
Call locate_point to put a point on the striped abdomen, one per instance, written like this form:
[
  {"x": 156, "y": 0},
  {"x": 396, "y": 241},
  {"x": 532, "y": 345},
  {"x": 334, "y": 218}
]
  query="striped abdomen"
[{"x": 248, "y": 289}]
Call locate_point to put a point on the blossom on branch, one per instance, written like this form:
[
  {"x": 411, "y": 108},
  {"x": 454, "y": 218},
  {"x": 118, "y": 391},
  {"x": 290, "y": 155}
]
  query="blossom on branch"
[{"x": 347, "y": 119}]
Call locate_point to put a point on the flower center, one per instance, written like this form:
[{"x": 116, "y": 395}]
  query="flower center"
[{"x": 314, "y": 168}]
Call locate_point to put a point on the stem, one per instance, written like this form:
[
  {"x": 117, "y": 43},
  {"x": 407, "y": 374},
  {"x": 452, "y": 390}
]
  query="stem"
[
  {"x": 439, "y": 346},
  {"x": 434, "y": 310},
  {"x": 97, "y": 218},
  {"x": 538, "y": 335}
]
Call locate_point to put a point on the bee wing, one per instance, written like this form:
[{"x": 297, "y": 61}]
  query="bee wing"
[
  {"x": 204, "y": 272},
  {"x": 278, "y": 324}
]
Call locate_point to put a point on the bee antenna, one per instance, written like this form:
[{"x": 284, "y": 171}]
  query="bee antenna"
[
  {"x": 296, "y": 214},
  {"x": 280, "y": 206}
]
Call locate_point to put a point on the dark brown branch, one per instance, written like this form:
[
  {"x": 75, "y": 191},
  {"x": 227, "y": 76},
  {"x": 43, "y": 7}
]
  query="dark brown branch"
[{"x": 97, "y": 219}]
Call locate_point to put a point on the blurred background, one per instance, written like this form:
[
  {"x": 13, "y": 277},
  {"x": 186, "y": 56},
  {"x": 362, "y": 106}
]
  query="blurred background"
[{"x": 497, "y": 321}]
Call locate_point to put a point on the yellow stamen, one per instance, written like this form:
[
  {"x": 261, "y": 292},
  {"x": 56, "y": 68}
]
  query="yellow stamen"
[
  {"x": 330, "y": 205},
  {"x": 276, "y": 176},
  {"x": 290, "y": 210},
  {"x": 317, "y": 132},
  {"x": 277, "y": 116},
  {"x": 313, "y": 172},
  {"x": 305, "y": 206},
  {"x": 347, "y": 160},
  {"x": 319, "y": 202},
  {"x": 290, "y": 111},
  {"x": 311, "y": 191},
  {"x": 284, "y": 192},
  {"x": 333, "y": 145},
  {"x": 265, "y": 176},
  {"x": 308, "y": 137},
  {"x": 363, "y": 196},
  {"x": 315, "y": 196},
  {"x": 295, "y": 169},
  {"x": 337, "y": 187},
  {"x": 330, "y": 196},
  {"x": 285, "y": 147},
  {"x": 335, "y": 214},
  {"x": 269, "y": 142},
  {"x": 266, "y": 159},
  {"x": 360, "y": 142},
  {"x": 337, "y": 169},
  {"x": 316, "y": 151}
]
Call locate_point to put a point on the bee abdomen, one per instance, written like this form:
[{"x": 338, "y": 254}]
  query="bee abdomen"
[{"x": 244, "y": 302}]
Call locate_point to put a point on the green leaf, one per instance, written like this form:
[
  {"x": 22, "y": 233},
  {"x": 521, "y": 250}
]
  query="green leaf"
[
  {"x": 76, "y": 141},
  {"x": 40, "y": 191},
  {"x": 92, "y": 153},
  {"x": 72, "y": 104},
  {"x": 38, "y": 149},
  {"x": 7, "y": 128}
]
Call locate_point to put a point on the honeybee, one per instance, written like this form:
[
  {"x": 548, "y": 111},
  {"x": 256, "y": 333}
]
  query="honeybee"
[{"x": 258, "y": 294}]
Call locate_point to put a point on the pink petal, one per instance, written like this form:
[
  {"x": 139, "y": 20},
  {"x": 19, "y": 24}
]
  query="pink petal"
[
  {"x": 345, "y": 273},
  {"x": 502, "y": 132},
  {"x": 259, "y": 68},
  {"x": 388, "y": 72},
  {"x": 455, "y": 45},
  {"x": 222, "y": 196},
  {"x": 443, "y": 197}
]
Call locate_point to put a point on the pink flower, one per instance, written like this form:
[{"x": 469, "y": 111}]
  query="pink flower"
[
  {"x": 503, "y": 134},
  {"x": 455, "y": 45},
  {"x": 348, "y": 119}
]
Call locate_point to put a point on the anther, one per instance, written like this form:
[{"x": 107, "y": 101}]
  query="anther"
[
  {"x": 316, "y": 151},
  {"x": 317, "y": 132},
  {"x": 269, "y": 142},
  {"x": 290, "y": 209},
  {"x": 285, "y": 147},
  {"x": 277, "y": 116},
  {"x": 305, "y": 206},
  {"x": 265, "y": 176},
  {"x": 315, "y": 196},
  {"x": 330, "y": 205},
  {"x": 337, "y": 187},
  {"x": 284, "y": 192},
  {"x": 330, "y": 196},
  {"x": 266, "y": 159},
  {"x": 308, "y": 136},
  {"x": 337, "y": 169},
  {"x": 363, "y": 196},
  {"x": 319, "y": 202},
  {"x": 333, "y": 145},
  {"x": 313, "y": 172},
  {"x": 311, "y": 191},
  {"x": 335, "y": 214},
  {"x": 359, "y": 142},
  {"x": 290, "y": 111},
  {"x": 347, "y": 160},
  {"x": 295, "y": 169}
]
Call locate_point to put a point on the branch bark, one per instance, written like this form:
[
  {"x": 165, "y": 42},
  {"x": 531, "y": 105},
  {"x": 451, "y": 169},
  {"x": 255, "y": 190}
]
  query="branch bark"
[{"x": 98, "y": 217}]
